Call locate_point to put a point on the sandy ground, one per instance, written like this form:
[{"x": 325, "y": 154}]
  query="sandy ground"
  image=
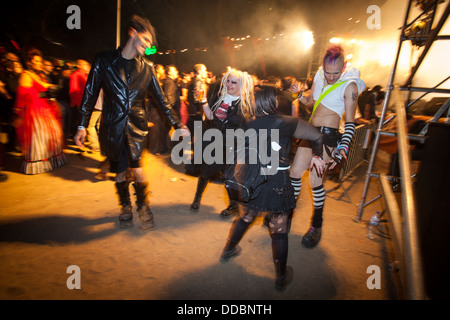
[{"x": 51, "y": 221}]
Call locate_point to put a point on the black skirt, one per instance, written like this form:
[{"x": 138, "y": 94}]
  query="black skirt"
[{"x": 276, "y": 196}]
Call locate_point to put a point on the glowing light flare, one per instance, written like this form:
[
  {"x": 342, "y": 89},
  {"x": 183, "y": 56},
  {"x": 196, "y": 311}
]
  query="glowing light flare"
[
  {"x": 336, "y": 40},
  {"x": 305, "y": 39}
]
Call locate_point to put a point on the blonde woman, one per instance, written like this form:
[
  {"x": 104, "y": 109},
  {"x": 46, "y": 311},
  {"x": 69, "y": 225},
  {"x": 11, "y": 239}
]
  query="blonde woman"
[{"x": 228, "y": 108}]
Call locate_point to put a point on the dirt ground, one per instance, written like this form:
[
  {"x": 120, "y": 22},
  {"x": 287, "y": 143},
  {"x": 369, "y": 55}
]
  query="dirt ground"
[{"x": 51, "y": 221}]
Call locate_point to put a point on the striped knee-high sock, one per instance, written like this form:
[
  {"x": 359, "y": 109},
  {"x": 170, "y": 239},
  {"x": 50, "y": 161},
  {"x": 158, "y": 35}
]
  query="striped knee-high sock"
[
  {"x": 297, "y": 184},
  {"x": 318, "y": 201}
]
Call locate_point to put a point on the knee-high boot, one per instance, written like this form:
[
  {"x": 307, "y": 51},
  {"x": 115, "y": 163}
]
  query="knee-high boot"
[
  {"x": 237, "y": 231},
  {"x": 284, "y": 274},
  {"x": 201, "y": 185},
  {"x": 143, "y": 208},
  {"x": 126, "y": 216}
]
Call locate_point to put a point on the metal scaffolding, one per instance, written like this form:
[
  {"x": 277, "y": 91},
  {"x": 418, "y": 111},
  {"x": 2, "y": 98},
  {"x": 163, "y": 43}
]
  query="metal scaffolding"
[{"x": 420, "y": 32}]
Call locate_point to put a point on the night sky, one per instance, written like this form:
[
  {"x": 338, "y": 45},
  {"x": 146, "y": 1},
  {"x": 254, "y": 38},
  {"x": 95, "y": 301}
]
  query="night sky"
[{"x": 195, "y": 25}]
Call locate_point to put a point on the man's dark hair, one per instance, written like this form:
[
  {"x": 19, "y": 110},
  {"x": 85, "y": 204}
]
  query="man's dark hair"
[{"x": 141, "y": 25}]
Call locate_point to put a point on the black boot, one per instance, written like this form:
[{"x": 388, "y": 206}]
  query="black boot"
[
  {"x": 284, "y": 275},
  {"x": 232, "y": 209},
  {"x": 312, "y": 237},
  {"x": 201, "y": 185},
  {"x": 126, "y": 215},
  {"x": 231, "y": 248},
  {"x": 143, "y": 208}
]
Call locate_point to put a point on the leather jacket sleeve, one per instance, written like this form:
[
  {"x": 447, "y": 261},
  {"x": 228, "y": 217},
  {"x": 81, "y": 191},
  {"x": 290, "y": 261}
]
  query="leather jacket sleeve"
[
  {"x": 163, "y": 103},
  {"x": 90, "y": 95}
]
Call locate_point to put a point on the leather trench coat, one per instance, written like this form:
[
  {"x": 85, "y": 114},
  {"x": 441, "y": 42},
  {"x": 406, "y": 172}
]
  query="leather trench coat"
[{"x": 124, "y": 115}]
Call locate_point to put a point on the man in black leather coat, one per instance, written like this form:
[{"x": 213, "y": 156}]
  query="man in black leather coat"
[{"x": 126, "y": 77}]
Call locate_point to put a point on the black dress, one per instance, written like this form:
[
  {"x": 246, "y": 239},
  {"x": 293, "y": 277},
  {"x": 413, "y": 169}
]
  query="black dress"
[{"x": 277, "y": 194}]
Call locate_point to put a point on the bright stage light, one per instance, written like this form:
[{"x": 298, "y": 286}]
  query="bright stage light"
[
  {"x": 305, "y": 39},
  {"x": 335, "y": 40}
]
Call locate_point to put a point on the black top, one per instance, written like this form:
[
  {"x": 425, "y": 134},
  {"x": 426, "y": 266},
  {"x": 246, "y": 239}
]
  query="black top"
[{"x": 277, "y": 194}]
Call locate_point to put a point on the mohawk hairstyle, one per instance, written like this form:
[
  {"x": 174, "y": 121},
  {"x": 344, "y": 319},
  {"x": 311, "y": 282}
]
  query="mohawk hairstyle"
[{"x": 333, "y": 54}]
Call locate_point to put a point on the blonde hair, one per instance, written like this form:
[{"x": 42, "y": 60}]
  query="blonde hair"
[{"x": 247, "y": 105}]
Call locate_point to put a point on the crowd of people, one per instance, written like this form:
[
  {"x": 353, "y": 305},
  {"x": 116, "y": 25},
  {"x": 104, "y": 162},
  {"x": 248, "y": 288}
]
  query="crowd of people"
[{"x": 45, "y": 104}]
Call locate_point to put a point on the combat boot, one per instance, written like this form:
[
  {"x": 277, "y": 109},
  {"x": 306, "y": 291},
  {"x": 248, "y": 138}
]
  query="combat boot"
[
  {"x": 143, "y": 208},
  {"x": 126, "y": 215}
]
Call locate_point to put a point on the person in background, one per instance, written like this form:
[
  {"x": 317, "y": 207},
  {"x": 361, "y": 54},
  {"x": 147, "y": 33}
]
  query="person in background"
[
  {"x": 171, "y": 88},
  {"x": 287, "y": 102},
  {"x": 77, "y": 84},
  {"x": 94, "y": 124},
  {"x": 38, "y": 119},
  {"x": 47, "y": 71}
]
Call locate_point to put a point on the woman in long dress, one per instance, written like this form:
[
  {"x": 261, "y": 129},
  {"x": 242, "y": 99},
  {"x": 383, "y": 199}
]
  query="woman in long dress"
[{"x": 38, "y": 120}]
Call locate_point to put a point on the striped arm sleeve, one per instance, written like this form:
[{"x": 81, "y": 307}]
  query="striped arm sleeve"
[{"x": 349, "y": 131}]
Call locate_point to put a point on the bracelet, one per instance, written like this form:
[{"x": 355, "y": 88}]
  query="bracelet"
[
  {"x": 81, "y": 128},
  {"x": 317, "y": 157},
  {"x": 300, "y": 95}
]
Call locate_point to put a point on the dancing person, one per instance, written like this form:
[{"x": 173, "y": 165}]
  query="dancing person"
[
  {"x": 334, "y": 94},
  {"x": 38, "y": 119},
  {"x": 126, "y": 77},
  {"x": 277, "y": 194},
  {"x": 227, "y": 109}
]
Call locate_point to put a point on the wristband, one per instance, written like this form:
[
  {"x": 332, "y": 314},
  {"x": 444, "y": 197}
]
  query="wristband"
[{"x": 81, "y": 128}]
